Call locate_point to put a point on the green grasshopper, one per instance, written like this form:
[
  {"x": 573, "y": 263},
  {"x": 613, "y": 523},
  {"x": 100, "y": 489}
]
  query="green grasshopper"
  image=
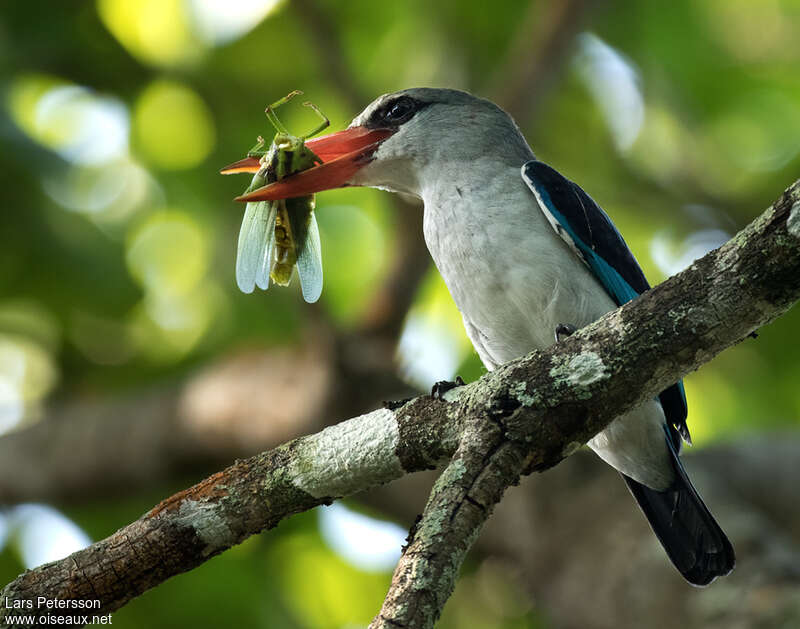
[{"x": 277, "y": 235}]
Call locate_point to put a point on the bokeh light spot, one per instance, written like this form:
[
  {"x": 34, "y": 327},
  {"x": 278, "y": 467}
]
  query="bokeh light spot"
[
  {"x": 110, "y": 194},
  {"x": 27, "y": 374},
  {"x": 353, "y": 256},
  {"x": 367, "y": 543},
  {"x": 662, "y": 146},
  {"x": 154, "y": 31},
  {"x": 81, "y": 126},
  {"x": 12, "y": 407},
  {"x": 672, "y": 257},
  {"x": 23, "y": 95},
  {"x": 43, "y": 534},
  {"x": 220, "y": 21},
  {"x": 433, "y": 342},
  {"x": 31, "y": 319},
  {"x": 758, "y": 133},
  {"x": 339, "y": 596},
  {"x": 614, "y": 85},
  {"x": 168, "y": 253},
  {"x": 754, "y": 32},
  {"x": 173, "y": 127},
  {"x": 167, "y": 327}
]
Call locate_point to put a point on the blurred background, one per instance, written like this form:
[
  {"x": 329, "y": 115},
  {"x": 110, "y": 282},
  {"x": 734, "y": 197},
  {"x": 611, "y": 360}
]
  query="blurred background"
[{"x": 131, "y": 366}]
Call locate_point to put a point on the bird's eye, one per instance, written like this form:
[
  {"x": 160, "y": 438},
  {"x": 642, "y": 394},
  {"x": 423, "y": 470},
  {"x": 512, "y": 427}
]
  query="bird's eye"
[{"x": 400, "y": 110}]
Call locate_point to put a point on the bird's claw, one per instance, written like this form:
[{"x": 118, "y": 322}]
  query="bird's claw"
[
  {"x": 563, "y": 330},
  {"x": 443, "y": 386}
]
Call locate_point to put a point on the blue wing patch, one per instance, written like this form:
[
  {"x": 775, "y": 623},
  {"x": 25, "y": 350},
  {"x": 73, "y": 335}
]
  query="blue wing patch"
[{"x": 589, "y": 232}]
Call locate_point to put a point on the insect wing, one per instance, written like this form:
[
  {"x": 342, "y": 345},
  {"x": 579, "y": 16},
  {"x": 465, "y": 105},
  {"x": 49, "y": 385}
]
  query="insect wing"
[
  {"x": 255, "y": 246},
  {"x": 309, "y": 263},
  {"x": 265, "y": 263}
]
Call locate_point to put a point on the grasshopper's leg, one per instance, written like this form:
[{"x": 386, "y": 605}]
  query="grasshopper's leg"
[
  {"x": 325, "y": 122},
  {"x": 259, "y": 150},
  {"x": 271, "y": 113}
]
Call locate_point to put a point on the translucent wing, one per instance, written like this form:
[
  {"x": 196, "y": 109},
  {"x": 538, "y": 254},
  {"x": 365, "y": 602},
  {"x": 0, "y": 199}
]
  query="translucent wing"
[
  {"x": 254, "y": 252},
  {"x": 265, "y": 263},
  {"x": 309, "y": 263}
]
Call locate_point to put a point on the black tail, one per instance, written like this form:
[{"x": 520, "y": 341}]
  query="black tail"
[{"x": 686, "y": 529}]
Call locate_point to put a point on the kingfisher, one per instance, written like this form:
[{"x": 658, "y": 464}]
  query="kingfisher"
[{"x": 528, "y": 257}]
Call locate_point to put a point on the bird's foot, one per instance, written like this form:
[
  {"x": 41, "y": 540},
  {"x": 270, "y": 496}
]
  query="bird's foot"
[
  {"x": 443, "y": 386},
  {"x": 393, "y": 405},
  {"x": 563, "y": 330}
]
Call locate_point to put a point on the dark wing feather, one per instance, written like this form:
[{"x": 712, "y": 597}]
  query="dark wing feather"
[
  {"x": 683, "y": 524},
  {"x": 588, "y": 230},
  {"x": 687, "y": 530}
]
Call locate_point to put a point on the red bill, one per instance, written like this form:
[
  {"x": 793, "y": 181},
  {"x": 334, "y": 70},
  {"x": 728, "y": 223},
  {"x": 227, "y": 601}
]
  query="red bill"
[
  {"x": 246, "y": 165},
  {"x": 342, "y": 153}
]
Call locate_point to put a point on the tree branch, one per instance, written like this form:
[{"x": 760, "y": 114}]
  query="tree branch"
[
  {"x": 574, "y": 534},
  {"x": 252, "y": 495},
  {"x": 484, "y": 465},
  {"x": 527, "y": 415}
]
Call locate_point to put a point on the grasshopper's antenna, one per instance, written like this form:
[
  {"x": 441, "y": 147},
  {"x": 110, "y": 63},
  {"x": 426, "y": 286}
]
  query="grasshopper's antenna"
[
  {"x": 270, "y": 111},
  {"x": 325, "y": 122}
]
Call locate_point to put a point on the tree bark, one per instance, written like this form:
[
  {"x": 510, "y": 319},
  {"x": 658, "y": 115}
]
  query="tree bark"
[
  {"x": 527, "y": 415},
  {"x": 573, "y": 546}
]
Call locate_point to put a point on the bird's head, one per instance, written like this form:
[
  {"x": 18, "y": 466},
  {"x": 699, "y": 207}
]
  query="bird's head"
[{"x": 402, "y": 142}]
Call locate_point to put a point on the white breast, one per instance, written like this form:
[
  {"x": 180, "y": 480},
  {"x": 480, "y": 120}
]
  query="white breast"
[
  {"x": 514, "y": 280},
  {"x": 504, "y": 266}
]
